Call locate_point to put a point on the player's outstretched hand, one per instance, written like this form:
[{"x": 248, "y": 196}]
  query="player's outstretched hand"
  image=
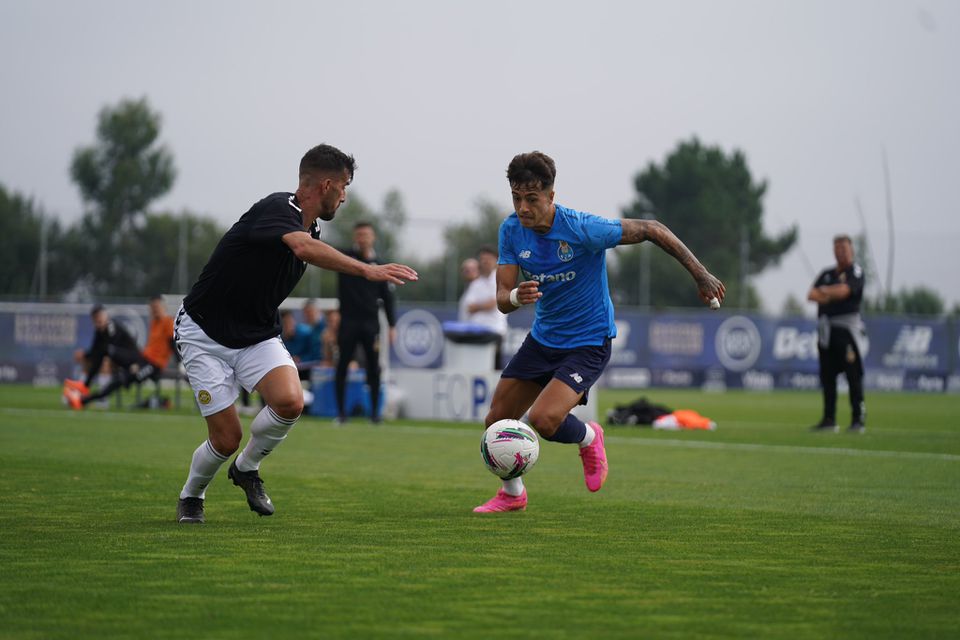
[
  {"x": 395, "y": 273},
  {"x": 711, "y": 289}
]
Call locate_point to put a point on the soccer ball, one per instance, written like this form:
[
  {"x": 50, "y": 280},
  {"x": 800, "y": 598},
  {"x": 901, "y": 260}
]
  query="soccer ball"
[{"x": 509, "y": 448}]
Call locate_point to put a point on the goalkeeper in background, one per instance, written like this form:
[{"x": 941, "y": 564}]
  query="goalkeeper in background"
[{"x": 128, "y": 364}]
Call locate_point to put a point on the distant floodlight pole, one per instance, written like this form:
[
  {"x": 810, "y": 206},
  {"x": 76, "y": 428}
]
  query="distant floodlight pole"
[
  {"x": 886, "y": 184},
  {"x": 647, "y": 212},
  {"x": 744, "y": 264},
  {"x": 44, "y": 228},
  {"x": 868, "y": 257},
  {"x": 645, "y": 268},
  {"x": 182, "y": 256}
]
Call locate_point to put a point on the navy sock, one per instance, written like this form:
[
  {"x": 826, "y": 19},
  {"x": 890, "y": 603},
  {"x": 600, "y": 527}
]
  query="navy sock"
[{"x": 571, "y": 431}]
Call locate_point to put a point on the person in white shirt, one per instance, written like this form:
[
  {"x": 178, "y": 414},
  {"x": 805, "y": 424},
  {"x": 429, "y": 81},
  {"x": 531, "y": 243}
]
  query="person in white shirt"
[
  {"x": 480, "y": 299},
  {"x": 469, "y": 270}
]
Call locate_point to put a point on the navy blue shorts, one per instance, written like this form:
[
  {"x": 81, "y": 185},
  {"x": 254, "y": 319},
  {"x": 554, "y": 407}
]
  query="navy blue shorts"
[{"x": 578, "y": 368}]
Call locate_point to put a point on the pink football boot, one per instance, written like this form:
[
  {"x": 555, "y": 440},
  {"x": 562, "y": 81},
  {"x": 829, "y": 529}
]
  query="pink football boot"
[
  {"x": 503, "y": 501},
  {"x": 594, "y": 458}
]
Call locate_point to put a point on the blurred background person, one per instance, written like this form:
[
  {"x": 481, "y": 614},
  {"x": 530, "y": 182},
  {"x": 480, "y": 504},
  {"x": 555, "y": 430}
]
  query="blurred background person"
[
  {"x": 479, "y": 301},
  {"x": 360, "y": 321},
  {"x": 296, "y": 337},
  {"x": 469, "y": 270},
  {"x": 160, "y": 345},
  {"x": 293, "y": 335},
  {"x": 311, "y": 328},
  {"x": 128, "y": 364},
  {"x": 838, "y": 291},
  {"x": 329, "y": 337}
]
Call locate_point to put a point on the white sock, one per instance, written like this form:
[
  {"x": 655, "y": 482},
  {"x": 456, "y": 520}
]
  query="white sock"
[
  {"x": 267, "y": 431},
  {"x": 588, "y": 437},
  {"x": 513, "y": 487},
  {"x": 204, "y": 466}
]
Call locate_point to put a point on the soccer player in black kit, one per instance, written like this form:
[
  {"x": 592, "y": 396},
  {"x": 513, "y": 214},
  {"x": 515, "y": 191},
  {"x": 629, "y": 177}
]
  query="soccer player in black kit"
[
  {"x": 228, "y": 328},
  {"x": 838, "y": 292},
  {"x": 360, "y": 321}
]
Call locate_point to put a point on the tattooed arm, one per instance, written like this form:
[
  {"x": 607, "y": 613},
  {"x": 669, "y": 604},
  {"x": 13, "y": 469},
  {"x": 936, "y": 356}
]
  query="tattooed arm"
[{"x": 636, "y": 231}]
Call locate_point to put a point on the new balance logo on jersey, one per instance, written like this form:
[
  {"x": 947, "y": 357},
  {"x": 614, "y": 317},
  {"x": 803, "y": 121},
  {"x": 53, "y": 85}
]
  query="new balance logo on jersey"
[
  {"x": 525, "y": 253},
  {"x": 577, "y": 377}
]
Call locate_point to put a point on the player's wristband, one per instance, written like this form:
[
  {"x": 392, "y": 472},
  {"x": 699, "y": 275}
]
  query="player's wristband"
[{"x": 514, "y": 300}]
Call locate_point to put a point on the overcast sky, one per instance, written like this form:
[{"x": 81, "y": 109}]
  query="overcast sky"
[{"x": 434, "y": 98}]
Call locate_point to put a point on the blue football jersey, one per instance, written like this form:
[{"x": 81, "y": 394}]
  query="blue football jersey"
[{"x": 569, "y": 263}]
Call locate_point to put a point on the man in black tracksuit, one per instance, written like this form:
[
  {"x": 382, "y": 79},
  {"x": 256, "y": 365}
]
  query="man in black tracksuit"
[
  {"x": 110, "y": 340},
  {"x": 838, "y": 292},
  {"x": 360, "y": 322}
]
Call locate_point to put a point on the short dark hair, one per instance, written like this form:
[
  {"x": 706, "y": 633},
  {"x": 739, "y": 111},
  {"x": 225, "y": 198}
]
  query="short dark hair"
[
  {"x": 532, "y": 169},
  {"x": 285, "y": 313},
  {"x": 842, "y": 237},
  {"x": 486, "y": 248},
  {"x": 156, "y": 296},
  {"x": 362, "y": 224},
  {"x": 97, "y": 308},
  {"x": 324, "y": 158}
]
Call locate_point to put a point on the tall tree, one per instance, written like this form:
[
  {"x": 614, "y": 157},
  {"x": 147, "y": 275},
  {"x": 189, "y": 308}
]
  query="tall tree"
[
  {"x": 170, "y": 234},
  {"x": 118, "y": 176},
  {"x": 711, "y": 201},
  {"x": 23, "y": 231}
]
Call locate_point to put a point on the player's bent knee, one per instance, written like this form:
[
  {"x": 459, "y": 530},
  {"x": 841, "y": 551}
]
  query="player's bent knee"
[
  {"x": 499, "y": 411},
  {"x": 546, "y": 423},
  {"x": 289, "y": 407},
  {"x": 492, "y": 416},
  {"x": 226, "y": 444}
]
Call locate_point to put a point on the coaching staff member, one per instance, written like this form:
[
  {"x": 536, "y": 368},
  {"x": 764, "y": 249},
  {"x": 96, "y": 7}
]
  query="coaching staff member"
[
  {"x": 838, "y": 292},
  {"x": 360, "y": 321}
]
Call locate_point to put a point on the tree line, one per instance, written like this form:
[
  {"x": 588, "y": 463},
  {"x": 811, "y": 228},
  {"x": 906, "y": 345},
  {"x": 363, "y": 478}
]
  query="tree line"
[{"x": 119, "y": 248}]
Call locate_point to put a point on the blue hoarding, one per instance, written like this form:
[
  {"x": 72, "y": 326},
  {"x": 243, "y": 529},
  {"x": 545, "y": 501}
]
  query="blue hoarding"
[
  {"x": 663, "y": 349},
  {"x": 725, "y": 349}
]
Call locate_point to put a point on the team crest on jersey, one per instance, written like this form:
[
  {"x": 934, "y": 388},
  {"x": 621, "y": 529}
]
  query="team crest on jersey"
[
  {"x": 564, "y": 252},
  {"x": 203, "y": 397}
]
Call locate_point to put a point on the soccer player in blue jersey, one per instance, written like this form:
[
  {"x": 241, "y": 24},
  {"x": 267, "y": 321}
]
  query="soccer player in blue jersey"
[{"x": 554, "y": 257}]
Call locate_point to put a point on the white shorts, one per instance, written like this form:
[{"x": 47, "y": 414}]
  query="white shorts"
[{"x": 216, "y": 372}]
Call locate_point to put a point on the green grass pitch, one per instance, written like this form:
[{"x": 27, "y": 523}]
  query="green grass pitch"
[{"x": 758, "y": 530}]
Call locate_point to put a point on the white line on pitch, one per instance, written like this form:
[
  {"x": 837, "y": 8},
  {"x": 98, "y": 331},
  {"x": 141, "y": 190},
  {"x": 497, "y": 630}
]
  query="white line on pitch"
[
  {"x": 782, "y": 448},
  {"x": 732, "y": 446},
  {"x": 680, "y": 444},
  {"x": 69, "y": 414}
]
